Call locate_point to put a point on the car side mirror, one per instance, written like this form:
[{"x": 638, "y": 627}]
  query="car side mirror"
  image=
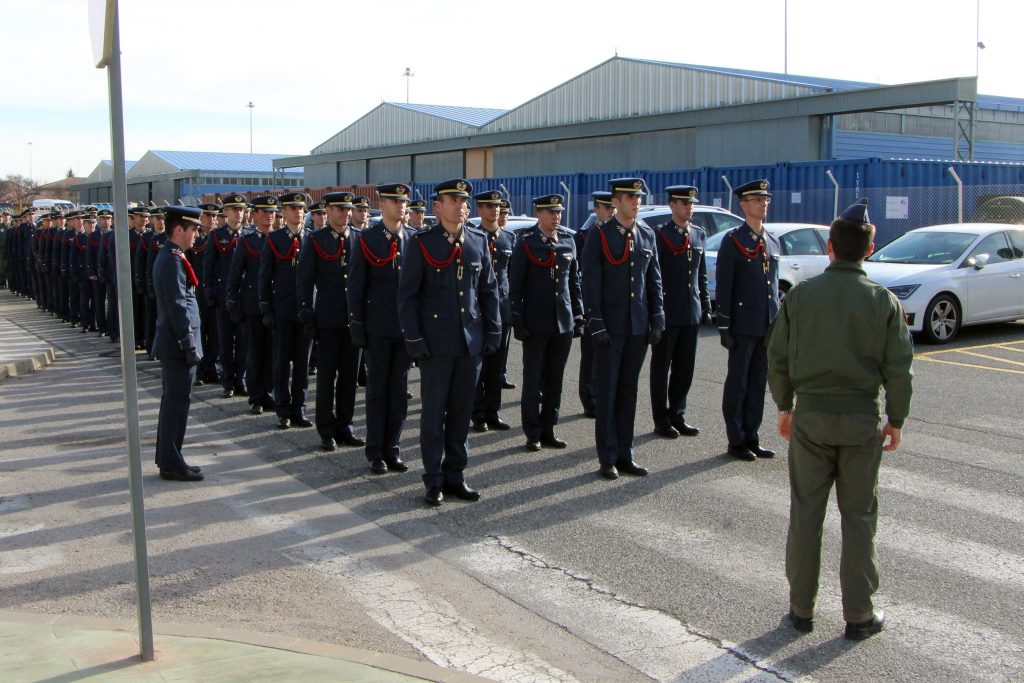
[{"x": 979, "y": 261}]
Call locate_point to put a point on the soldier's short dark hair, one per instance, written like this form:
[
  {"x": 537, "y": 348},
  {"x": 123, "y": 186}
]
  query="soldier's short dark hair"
[{"x": 850, "y": 239}]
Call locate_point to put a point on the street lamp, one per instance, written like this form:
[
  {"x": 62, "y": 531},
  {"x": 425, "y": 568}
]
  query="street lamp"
[
  {"x": 30, "y": 160},
  {"x": 250, "y": 106},
  {"x": 408, "y": 77}
]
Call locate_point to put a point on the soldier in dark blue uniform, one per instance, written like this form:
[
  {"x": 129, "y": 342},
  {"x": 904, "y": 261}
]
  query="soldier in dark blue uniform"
[
  {"x": 499, "y": 245},
  {"x": 178, "y": 344},
  {"x": 623, "y": 299},
  {"x": 448, "y": 309},
  {"x": 92, "y": 260},
  {"x": 207, "y": 370},
  {"x": 230, "y": 334},
  {"x": 58, "y": 263},
  {"x": 74, "y": 261},
  {"x": 279, "y": 306},
  {"x": 417, "y": 212},
  {"x": 684, "y": 281},
  {"x": 503, "y": 213},
  {"x": 38, "y": 267},
  {"x": 372, "y": 294},
  {"x": 139, "y": 279},
  {"x": 323, "y": 312},
  {"x": 86, "y": 301},
  {"x": 156, "y": 243},
  {"x": 139, "y": 219},
  {"x": 243, "y": 305},
  {"x": 747, "y": 284},
  {"x": 603, "y": 211},
  {"x": 317, "y": 215},
  {"x": 106, "y": 292},
  {"x": 547, "y": 311}
]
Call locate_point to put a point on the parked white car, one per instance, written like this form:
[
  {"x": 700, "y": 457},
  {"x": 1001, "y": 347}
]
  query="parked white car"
[
  {"x": 948, "y": 276},
  {"x": 804, "y": 253}
]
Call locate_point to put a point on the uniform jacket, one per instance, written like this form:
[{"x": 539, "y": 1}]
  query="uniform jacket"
[
  {"x": 92, "y": 253},
  {"x": 278, "y": 283},
  {"x": 66, "y": 247},
  {"x": 156, "y": 245},
  {"x": 747, "y": 296},
  {"x": 441, "y": 312},
  {"x": 106, "y": 261},
  {"x": 134, "y": 240},
  {"x": 323, "y": 277},
  {"x": 372, "y": 295},
  {"x": 545, "y": 284},
  {"x": 243, "y": 286},
  {"x": 684, "y": 275},
  {"x": 195, "y": 257},
  {"x": 622, "y": 288},
  {"x": 56, "y": 250},
  {"x": 500, "y": 244},
  {"x": 217, "y": 264},
  {"x": 142, "y": 260},
  {"x": 177, "y": 311},
  {"x": 76, "y": 262}
]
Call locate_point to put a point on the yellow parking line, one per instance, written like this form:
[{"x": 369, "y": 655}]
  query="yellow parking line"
[
  {"x": 996, "y": 358},
  {"x": 1010, "y": 348},
  {"x": 970, "y": 365},
  {"x": 966, "y": 348}
]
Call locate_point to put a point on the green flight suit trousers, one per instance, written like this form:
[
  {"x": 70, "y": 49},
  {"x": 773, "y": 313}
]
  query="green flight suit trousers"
[{"x": 845, "y": 449}]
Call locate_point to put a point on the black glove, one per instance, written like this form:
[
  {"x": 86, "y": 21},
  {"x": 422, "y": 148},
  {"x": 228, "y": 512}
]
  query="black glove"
[
  {"x": 488, "y": 350},
  {"x": 656, "y": 333},
  {"x": 602, "y": 338},
  {"x": 727, "y": 339},
  {"x": 577, "y": 329},
  {"x": 705, "y": 318},
  {"x": 268, "y": 320},
  {"x": 421, "y": 355},
  {"x": 520, "y": 332},
  {"x": 192, "y": 357},
  {"x": 309, "y": 329}
]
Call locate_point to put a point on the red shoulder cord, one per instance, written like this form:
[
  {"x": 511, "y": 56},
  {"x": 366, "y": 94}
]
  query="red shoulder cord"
[
  {"x": 96, "y": 244},
  {"x": 190, "y": 274},
  {"x": 142, "y": 243},
  {"x": 80, "y": 247},
  {"x": 226, "y": 247},
  {"x": 678, "y": 251},
  {"x": 323, "y": 254},
  {"x": 200, "y": 250},
  {"x": 373, "y": 259},
  {"x": 132, "y": 246},
  {"x": 746, "y": 251},
  {"x": 434, "y": 263},
  {"x": 292, "y": 253},
  {"x": 546, "y": 263},
  {"x": 252, "y": 252},
  {"x": 608, "y": 252}
]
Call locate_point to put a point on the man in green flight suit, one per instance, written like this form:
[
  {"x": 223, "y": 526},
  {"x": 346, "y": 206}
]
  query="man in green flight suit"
[{"x": 837, "y": 342}]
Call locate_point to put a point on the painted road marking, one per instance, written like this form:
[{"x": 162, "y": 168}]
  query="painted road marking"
[{"x": 930, "y": 356}]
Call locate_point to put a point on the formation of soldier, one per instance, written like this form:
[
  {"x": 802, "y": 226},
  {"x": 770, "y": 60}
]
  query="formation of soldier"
[{"x": 271, "y": 297}]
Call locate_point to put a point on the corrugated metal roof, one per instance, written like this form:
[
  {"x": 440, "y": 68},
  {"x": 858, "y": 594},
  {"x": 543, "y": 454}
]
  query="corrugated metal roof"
[
  {"x": 231, "y": 162},
  {"x": 127, "y": 164},
  {"x": 471, "y": 116}
]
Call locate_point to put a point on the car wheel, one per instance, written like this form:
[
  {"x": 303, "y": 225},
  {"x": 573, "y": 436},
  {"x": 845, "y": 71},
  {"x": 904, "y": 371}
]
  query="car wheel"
[
  {"x": 941, "y": 320},
  {"x": 784, "y": 288}
]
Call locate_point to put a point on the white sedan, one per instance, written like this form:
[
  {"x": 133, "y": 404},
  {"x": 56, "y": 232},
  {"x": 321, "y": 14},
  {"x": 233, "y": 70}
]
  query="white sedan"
[
  {"x": 947, "y": 276},
  {"x": 804, "y": 253}
]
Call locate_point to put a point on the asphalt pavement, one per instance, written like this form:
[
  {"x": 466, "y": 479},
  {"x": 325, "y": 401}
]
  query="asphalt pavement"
[{"x": 555, "y": 574}]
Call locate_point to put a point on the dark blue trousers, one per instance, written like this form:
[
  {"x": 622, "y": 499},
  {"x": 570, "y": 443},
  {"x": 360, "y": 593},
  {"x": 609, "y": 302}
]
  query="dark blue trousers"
[
  {"x": 211, "y": 348},
  {"x": 616, "y": 375},
  {"x": 743, "y": 393},
  {"x": 113, "y": 313},
  {"x": 387, "y": 381},
  {"x": 87, "y": 313},
  {"x": 672, "y": 361},
  {"x": 447, "y": 383},
  {"x": 487, "y": 402},
  {"x": 99, "y": 305},
  {"x": 291, "y": 368},
  {"x": 337, "y": 366},
  {"x": 259, "y": 360},
  {"x": 231, "y": 338},
  {"x": 544, "y": 358},
  {"x": 587, "y": 390},
  {"x": 177, "y": 378}
]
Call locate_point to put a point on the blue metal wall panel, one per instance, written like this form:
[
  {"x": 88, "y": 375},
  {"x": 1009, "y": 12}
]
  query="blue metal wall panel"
[{"x": 849, "y": 144}]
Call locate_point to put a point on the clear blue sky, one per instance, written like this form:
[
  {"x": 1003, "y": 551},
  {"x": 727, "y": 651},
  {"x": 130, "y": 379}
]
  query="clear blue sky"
[{"x": 311, "y": 67}]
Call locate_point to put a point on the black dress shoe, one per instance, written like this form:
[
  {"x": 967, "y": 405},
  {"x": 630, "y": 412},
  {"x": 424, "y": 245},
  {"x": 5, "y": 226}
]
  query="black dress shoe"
[
  {"x": 552, "y": 441},
  {"x": 199, "y": 382},
  {"x": 268, "y": 404},
  {"x": 480, "y": 427},
  {"x": 609, "y": 472},
  {"x": 461, "y": 491},
  {"x": 685, "y": 429},
  {"x": 505, "y": 384},
  {"x": 194, "y": 468},
  {"x": 378, "y": 466},
  {"x": 865, "y": 629},
  {"x": 256, "y": 409},
  {"x": 801, "y": 624},
  {"x": 227, "y": 393},
  {"x": 181, "y": 475},
  {"x": 346, "y": 437},
  {"x": 498, "y": 424},
  {"x": 301, "y": 420},
  {"x": 408, "y": 396},
  {"x": 742, "y": 453},
  {"x": 630, "y": 467},
  {"x": 241, "y": 391},
  {"x": 396, "y": 465},
  {"x": 533, "y": 446},
  {"x": 667, "y": 431},
  {"x": 761, "y": 452},
  {"x": 284, "y": 423},
  {"x": 327, "y": 443},
  {"x": 591, "y": 413},
  {"x": 434, "y": 496}
]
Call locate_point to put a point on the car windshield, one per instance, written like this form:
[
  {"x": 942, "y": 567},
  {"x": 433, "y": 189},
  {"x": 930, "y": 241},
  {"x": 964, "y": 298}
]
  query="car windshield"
[
  {"x": 715, "y": 241},
  {"x": 925, "y": 247}
]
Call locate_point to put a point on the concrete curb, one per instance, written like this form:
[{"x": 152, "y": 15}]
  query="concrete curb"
[
  {"x": 378, "y": 660},
  {"x": 26, "y": 366}
]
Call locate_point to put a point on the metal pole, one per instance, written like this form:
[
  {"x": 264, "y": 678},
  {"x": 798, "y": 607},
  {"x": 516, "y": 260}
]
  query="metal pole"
[
  {"x": 250, "y": 106},
  {"x": 729, "y": 185},
  {"x": 959, "y": 195},
  {"x": 508, "y": 196},
  {"x": 568, "y": 201},
  {"x": 30, "y": 174},
  {"x": 128, "y": 370},
  {"x": 785, "y": 37},
  {"x": 835, "y": 200}
]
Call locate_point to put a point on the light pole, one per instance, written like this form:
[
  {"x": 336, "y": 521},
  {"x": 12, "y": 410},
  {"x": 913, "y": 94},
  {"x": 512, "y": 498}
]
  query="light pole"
[
  {"x": 408, "y": 77},
  {"x": 30, "y": 160},
  {"x": 250, "y": 107},
  {"x": 979, "y": 46}
]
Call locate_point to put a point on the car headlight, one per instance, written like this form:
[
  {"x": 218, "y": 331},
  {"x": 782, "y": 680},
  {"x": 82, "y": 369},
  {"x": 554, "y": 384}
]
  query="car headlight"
[{"x": 904, "y": 291}]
